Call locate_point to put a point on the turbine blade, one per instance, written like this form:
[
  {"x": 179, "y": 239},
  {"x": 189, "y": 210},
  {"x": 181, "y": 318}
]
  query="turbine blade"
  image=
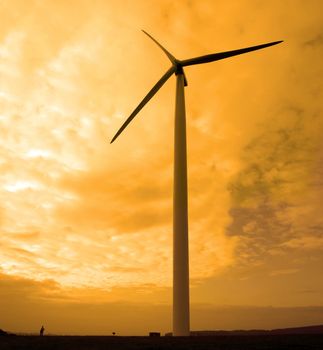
[
  {"x": 185, "y": 79},
  {"x": 168, "y": 54},
  {"x": 150, "y": 94},
  {"x": 226, "y": 54}
]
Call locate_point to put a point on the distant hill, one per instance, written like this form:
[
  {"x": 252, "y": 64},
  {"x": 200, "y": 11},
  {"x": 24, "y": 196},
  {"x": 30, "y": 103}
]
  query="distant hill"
[
  {"x": 4, "y": 334},
  {"x": 284, "y": 331}
]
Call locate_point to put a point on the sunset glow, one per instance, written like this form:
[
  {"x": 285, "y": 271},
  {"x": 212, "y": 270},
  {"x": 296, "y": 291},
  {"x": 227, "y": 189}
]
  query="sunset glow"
[{"x": 86, "y": 227}]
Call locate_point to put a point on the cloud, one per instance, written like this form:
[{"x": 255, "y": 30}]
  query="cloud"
[
  {"x": 81, "y": 212},
  {"x": 27, "y": 304},
  {"x": 271, "y": 193},
  {"x": 306, "y": 242},
  {"x": 283, "y": 272},
  {"x": 318, "y": 40}
]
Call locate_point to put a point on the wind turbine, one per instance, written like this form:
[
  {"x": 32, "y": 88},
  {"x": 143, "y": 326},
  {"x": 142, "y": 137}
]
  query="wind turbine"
[{"x": 181, "y": 318}]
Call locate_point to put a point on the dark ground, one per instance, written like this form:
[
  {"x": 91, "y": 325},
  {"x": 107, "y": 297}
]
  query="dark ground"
[{"x": 262, "y": 342}]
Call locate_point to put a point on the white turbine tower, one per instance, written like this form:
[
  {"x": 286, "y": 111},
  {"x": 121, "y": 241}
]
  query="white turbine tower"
[{"x": 181, "y": 311}]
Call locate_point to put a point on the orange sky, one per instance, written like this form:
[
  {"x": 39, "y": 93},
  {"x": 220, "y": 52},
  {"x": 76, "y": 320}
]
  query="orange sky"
[{"x": 86, "y": 227}]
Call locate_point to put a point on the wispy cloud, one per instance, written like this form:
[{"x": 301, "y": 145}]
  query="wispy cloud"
[{"x": 80, "y": 212}]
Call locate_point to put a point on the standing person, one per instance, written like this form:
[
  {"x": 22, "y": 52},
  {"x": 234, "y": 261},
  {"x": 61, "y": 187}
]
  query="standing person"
[{"x": 41, "y": 332}]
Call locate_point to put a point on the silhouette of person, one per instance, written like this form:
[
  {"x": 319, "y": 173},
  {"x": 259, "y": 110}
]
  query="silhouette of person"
[{"x": 41, "y": 332}]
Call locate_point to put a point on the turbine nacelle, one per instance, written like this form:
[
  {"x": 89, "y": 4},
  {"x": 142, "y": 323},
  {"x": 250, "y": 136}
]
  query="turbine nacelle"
[{"x": 177, "y": 68}]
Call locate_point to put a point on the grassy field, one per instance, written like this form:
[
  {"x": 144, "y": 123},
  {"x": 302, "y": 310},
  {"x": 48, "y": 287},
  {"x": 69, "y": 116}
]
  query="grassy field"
[{"x": 264, "y": 342}]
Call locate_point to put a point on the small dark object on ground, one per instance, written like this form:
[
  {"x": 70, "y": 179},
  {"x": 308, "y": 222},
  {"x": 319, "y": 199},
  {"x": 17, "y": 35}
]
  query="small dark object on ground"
[
  {"x": 3, "y": 333},
  {"x": 154, "y": 334}
]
